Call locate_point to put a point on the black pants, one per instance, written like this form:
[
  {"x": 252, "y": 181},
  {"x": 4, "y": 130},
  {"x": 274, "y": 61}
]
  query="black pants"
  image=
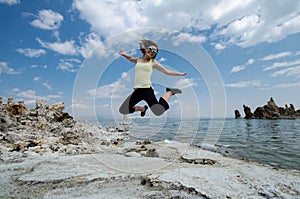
[{"x": 147, "y": 94}]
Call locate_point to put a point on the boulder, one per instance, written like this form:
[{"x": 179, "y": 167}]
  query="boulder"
[
  {"x": 41, "y": 104},
  {"x": 58, "y": 107}
]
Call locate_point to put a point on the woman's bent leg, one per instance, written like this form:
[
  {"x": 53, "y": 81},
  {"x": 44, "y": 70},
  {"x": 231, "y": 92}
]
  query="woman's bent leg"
[
  {"x": 157, "y": 107},
  {"x": 125, "y": 108},
  {"x": 128, "y": 106},
  {"x": 147, "y": 94}
]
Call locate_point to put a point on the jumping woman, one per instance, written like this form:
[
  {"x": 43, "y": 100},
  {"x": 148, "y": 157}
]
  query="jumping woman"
[{"x": 143, "y": 88}]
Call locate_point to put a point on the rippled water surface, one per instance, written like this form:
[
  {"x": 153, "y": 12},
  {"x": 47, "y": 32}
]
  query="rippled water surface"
[{"x": 273, "y": 142}]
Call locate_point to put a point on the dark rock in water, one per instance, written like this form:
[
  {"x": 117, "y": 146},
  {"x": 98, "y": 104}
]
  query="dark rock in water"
[
  {"x": 248, "y": 113},
  {"x": 260, "y": 113},
  {"x": 271, "y": 111},
  {"x": 237, "y": 114}
]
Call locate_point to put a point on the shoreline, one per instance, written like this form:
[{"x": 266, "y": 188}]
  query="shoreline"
[
  {"x": 278, "y": 156},
  {"x": 143, "y": 170},
  {"x": 45, "y": 153}
]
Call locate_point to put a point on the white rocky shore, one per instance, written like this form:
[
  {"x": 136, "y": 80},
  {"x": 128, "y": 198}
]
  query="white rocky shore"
[{"x": 44, "y": 153}]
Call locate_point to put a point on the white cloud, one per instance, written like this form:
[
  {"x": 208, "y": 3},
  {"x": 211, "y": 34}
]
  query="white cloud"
[
  {"x": 68, "y": 65},
  {"x": 292, "y": 71},
  {"x": 50, "y": 97},
  {"x": 270, "y": 57},
  {"x": 47, "y": 85},
  {"x": 4, "y": 68},
  {"x": 240, "y": 22},
  {"x": 138, "y": 14},
  {"x": 186, "y": 37},
  {"x": 288, "y": 85},
  {"x": 105, "y": 106},
  {"x": 250, "y": 61},
  {"x": 100, "y": 14},
  {"x": 80, "y": 105},
  {"x": 31, "y": 52},
  {"x": 282, "y": 64},
  {"x": 276, "y": 56},
  {"x": 239, "y": 68},
  {"x": 10, "y": 2},
  {"x": 65, "y": 48},
  {"x": 81, "y": 108},
  {"x": 219, "y": 46},
  {"x": 185, "y": 83},
  {"x": 108, "y": 91},
  {"x": 125, "y": 76},
  {"x": 15, "y": 90},
  {"x": 244, "y": 84},
  {"x": 273, "y": 22},
  {"x": 29, "y": 96},
  {"x": 236, "y": 69},
  {"x": 36, "y": 66},
  {"x": 162, "y": 59},
  {"x": 92, "y": 45},
  {"x": 226, "y": 8},
  {"x": 48, "y": 20},
  {"x": 241, "y": 30},
  {"x": 56, "y": 35}
]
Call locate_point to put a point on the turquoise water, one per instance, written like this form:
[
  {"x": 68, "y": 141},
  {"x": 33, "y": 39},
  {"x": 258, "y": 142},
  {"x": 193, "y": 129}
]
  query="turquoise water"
[{"x": 272, "y": 142}]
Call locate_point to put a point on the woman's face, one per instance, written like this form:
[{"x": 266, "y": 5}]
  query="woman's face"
[{"x": 151, "y": 51}]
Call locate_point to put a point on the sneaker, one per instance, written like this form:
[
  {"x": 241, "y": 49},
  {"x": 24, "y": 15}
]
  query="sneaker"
[
  {"x": 174, "y": 90},
  {"x": 144, "y": 112}
]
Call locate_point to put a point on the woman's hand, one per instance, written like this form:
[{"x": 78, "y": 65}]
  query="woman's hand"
[
  {"x": 183, "y": 74},
  {"x": 122, "y": 52}
]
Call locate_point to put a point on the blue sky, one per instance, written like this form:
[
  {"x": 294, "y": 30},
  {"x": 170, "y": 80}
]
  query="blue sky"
[{"x": 235, "y": 52}]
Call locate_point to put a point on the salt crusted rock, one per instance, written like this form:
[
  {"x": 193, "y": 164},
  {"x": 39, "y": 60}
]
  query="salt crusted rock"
[{"x": 47, "y": 128}]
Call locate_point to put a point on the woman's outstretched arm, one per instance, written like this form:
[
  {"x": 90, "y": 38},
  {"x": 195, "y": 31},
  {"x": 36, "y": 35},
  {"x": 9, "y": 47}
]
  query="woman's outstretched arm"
[
  {"x": 162, "y": 69},
  {"x": 128, "y": 57}
]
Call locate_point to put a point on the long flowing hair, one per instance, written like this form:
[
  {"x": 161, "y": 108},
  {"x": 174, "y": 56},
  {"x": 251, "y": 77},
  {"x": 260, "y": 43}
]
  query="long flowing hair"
[{"x": 145, "y": 43}]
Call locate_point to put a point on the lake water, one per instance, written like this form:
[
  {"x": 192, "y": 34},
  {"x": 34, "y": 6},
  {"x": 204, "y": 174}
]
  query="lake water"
[{"x": 273, "y": 142}]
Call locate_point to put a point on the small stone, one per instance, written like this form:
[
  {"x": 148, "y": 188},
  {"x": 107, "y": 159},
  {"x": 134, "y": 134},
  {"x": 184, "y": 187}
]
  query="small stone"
[{"x": 32, "y": 144}]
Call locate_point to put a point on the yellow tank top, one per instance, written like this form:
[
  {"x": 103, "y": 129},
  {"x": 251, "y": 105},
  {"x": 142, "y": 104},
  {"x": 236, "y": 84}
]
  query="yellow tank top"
[{"x": 143, "y": 72}]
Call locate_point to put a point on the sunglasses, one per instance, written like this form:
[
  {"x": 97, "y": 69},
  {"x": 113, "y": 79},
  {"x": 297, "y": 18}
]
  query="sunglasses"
[{"x": 153, "y": 50}]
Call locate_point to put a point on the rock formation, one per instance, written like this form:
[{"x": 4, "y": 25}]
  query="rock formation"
[
  {"x": 47, "y": 128},
  {"x": 237, "y": 114},
  {"x": 271, "y": 111},
  {"x": 248, "y": 113}
]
